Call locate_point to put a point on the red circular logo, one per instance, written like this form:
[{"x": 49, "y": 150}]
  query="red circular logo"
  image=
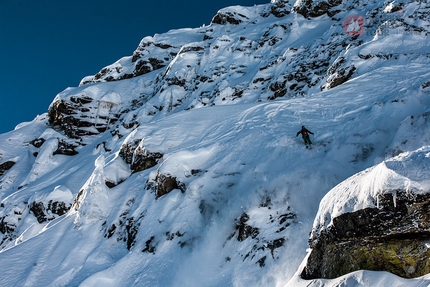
[{"x": 354, "y": 25}]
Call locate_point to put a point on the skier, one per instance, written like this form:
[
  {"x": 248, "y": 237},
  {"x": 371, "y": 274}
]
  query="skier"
[{"x": 305, "y": 135}]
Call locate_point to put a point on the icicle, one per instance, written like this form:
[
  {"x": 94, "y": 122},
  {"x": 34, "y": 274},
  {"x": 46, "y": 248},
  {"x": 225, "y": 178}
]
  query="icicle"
[{"x": 395, "y": 199}]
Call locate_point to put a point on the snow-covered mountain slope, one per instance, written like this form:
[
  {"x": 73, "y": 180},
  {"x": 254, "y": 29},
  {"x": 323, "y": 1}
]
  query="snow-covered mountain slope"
[{"x": 180, "y": 165}]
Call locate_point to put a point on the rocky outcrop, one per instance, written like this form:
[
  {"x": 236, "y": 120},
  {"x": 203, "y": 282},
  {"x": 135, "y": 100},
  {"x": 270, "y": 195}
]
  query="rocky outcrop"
[
  {"x": 37, "y": 143},
  {"x": 63, "y": 115},
  {"x": 65, "y": 148},
  {"x": 165, "y": 183},
  {"x": 426, "y": 87},
  {"x": 224, "y": 17},
  {"x": 393, "y": 237},
  {"x": 315, "y": 8},
  {"x": 262, "y": 246},
  {"x": 124, "y": 228},
  {"x": 280, "y": 9},
  {"x": 139, "y": 158},
  {"x": 149, "y": 56},
  {"x": 81, "y": 115},
  {"x": 6, "y": 166},
  {"x": 244, "y": 230},
  {"x": 339, "y": 73},
  {"x": 49, "y": 212},
  {"x": 13, "y": 214},
  {"x": 60, "y": 115}
]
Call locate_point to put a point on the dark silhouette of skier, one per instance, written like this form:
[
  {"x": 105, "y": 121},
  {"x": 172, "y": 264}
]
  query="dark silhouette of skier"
[{"x": 305, "y": 135}]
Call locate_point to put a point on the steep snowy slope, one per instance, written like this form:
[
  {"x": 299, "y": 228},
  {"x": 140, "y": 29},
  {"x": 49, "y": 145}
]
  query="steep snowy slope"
[{"x": 180, "y": 165}]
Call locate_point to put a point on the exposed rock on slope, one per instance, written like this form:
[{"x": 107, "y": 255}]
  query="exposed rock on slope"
[
  {"x": 385, "y": 229},
  {"x": 6, "y": 166},
  {"x": 394, "y": 237},
  {"x": 51, "y": 211},
  {"x": 315, "y": 8},
  {"x": 137, "y": 156}
]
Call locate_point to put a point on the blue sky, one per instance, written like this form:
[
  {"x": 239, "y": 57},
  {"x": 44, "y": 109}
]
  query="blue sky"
[{"x": 47, "y": 46}]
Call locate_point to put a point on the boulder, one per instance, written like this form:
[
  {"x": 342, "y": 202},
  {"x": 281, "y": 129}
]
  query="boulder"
[
  {"x": 6, "y": 166},
  {"x": 393, "y": 237},
  {"x": 165, "y": 183},
  {"x": 139, "y": 158}
]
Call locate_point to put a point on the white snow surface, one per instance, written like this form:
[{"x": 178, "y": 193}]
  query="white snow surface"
[{"x": 234, "y": 155}]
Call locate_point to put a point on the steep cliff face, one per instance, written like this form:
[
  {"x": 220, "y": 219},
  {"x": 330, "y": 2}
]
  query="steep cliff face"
[
  {"x": 377, "y": 220},
  {"x": 394, "y": 237}
]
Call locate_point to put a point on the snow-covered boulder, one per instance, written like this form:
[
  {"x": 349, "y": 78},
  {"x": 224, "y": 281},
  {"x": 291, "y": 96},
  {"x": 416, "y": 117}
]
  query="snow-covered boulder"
[{"x": 376, "y": 220}]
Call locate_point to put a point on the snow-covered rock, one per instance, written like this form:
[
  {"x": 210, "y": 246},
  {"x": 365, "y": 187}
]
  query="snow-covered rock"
[{"x": 376, "y": 220}]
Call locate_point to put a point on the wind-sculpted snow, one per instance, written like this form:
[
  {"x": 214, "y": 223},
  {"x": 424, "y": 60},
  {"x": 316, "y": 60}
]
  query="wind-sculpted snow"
[{"x": 180, "y": 165}]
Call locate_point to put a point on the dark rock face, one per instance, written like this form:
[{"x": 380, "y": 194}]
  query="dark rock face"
[
  {"x": 146, "y": 66},
  {"x": 79, "y": 116},
  {"x": 340, "y": 77},
  {"x": 264, "y": 245},
  {"x": 338, "y": 73},
  {"x": 150, "y": 246},
  {"x": 245, "y": 230},
  {"x": 6, "y": 166},
  {"x": 149, "y": 56},
  {"x": 393, "y": 238},
  {"x": 9, "y": 221},
  {"x": 37, "y": 142},
  {"x": 125, "y": 228},
  {"x": 62, "y": 114},
  {"x": 138, "y": 157},
  {"x": 65, "y": 148},
  {"x": 165, "y": 183},
  {"x": 426, "y": 87},
  {"x": 279, "y": 89},
  {"x": 309, "y": 8},
  {"x": 141, "y": 67},
  {"x": 228, "y": 17},
  {"x": 43, "y": 213},
  {"x": 280, "y": 9},
  {"x": 127, "y": 231}
]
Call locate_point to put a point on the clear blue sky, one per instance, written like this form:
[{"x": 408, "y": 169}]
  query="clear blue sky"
[{"x": 49, "y": 45}]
